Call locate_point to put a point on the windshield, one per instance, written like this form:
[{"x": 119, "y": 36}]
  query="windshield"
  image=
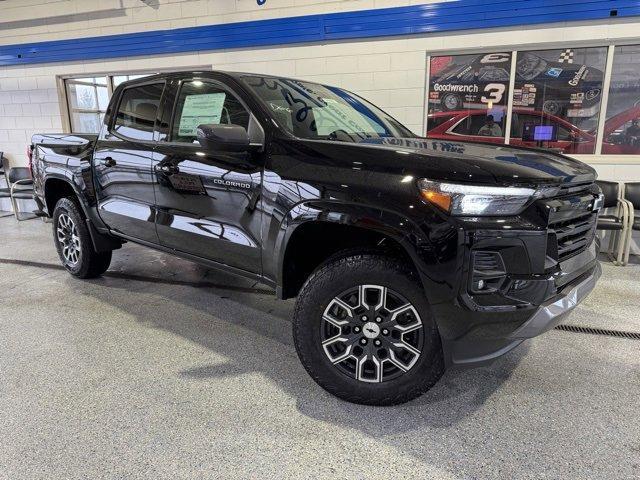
[{"x": 312, "y": 111}]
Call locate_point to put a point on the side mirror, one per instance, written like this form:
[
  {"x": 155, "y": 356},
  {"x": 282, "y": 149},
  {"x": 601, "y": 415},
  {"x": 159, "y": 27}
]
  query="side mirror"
[{"x": 223, "y": 138}]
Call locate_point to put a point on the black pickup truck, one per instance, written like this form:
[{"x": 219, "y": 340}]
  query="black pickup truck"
[{"x": 407, "y": 255}]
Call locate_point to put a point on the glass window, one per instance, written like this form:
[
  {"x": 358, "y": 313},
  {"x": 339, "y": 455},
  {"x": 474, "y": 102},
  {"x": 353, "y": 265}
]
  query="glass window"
[
  {"x": 118, "y": 79},
  {"x": 622, "y": 127},
  {"x": 472, "y": 88},
  {"x": 560, "y": 89},
  {"x": 88, "y": 99},
  {"x": 137, "y": 111},
  {"x": 202, "y": 103},
  {"x": 313, "y": 111}
]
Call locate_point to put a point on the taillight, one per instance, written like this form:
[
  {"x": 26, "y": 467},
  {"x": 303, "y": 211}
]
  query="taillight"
[{"x": 30, "y": 157}]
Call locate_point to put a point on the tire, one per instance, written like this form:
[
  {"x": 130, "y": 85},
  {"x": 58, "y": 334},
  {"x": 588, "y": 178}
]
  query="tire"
[
  {"x": 334, "y": 355},
  {"x": 73, "y": 242}
]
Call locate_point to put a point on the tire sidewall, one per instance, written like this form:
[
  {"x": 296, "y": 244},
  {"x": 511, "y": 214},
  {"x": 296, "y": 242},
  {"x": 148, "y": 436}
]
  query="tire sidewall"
[
  {"x": 328, "y": 283},
  {"x": 68, "y": 207}
]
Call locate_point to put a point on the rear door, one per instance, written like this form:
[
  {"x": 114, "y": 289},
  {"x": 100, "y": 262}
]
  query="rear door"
[
  {"x": 208, "y": 201},
  {"x": 123, "y": 163}
]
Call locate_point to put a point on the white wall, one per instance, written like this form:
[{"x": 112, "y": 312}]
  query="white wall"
[{"x": 390, "y": 72}]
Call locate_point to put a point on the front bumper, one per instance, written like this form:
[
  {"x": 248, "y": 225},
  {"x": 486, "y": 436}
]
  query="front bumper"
[
  {"x": 551, "y": 313},
  {"x": 507, "y": 329}
]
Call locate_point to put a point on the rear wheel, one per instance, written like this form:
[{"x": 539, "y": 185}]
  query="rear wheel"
[
  {"x": 364, "y": 332},
  {"x": 73, "y": 242}
]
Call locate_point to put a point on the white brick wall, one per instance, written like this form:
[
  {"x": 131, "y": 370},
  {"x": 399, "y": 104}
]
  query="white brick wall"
[{"x": 391, "y": 72}]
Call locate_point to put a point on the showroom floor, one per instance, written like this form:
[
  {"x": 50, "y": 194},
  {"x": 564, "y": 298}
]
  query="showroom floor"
[{"x": 163, "y": 369}]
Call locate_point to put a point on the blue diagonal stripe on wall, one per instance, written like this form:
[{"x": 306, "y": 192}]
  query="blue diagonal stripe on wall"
[{"x": 383, "y": 22}]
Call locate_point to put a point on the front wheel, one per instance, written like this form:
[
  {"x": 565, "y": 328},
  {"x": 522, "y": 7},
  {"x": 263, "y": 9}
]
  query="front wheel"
[
  {"x": 73, "y": 242},
  {"x": 363, "y": 330}
]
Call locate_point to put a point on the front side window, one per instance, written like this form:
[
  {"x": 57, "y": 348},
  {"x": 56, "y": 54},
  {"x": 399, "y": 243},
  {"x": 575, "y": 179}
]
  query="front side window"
[
  {"x": 557, "y": 86},
  {"x": 622, "y": 127},
  {"x": 318, "y": 112},
  {"x": 202, "y": 103},
  {"x": 474, "y": 85},
  {"x": 137, "y": 111}
]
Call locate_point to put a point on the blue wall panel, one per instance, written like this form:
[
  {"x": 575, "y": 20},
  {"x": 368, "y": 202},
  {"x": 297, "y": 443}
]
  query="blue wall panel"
[{"x": 384, "y": 22}]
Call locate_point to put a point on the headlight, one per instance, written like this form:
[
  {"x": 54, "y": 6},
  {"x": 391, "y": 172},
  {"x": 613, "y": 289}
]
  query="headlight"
[{"x": 476, "y": 200}]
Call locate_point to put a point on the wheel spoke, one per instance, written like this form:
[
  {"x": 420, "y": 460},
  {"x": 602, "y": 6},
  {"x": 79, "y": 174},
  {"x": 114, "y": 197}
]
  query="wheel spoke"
[
  {"x": 382, "y": 296},
  {"x": 367, "y": 341},
  {"x": 377, "y": 378},
  {"x": 329, "y": 317},
  {"x": 392, "y": 358},
  {"x": 408, "y": 347},
  {"x": 409, "y": 328},
  {"x": 340, "y": 357}
]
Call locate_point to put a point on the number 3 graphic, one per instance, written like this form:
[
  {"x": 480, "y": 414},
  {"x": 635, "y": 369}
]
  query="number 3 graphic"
[{"x": 495, "y": 91}]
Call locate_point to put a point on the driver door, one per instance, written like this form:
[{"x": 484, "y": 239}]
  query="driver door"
[{"x": 208, "y": 201}]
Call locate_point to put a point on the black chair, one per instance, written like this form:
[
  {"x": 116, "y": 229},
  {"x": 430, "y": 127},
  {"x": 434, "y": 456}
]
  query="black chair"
[
  {"x": 618, "y": 224},
  {"x": 5, "y": 191},
  {"x": 20, "y": 186},
  {"x": 632, "y": 195}
]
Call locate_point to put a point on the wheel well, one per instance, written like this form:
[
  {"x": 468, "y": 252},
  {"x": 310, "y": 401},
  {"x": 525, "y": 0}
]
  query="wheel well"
[
  {"x": 313, "y": 243},
  {"x": 54, "y": 190}
]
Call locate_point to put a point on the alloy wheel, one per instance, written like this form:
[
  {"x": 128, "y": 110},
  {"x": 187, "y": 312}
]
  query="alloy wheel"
[
  {"x": 372, "y": 333},
  {"x": 69, "y": 239}
]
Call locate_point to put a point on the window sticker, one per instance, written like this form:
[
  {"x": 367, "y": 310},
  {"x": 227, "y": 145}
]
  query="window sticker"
[
  {"x": 200, "y": 109},
  {"x": 334, "y": 115}
]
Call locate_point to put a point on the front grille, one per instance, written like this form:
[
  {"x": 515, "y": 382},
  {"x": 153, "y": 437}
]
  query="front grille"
[
  {"x": 575, "y": 235},
  {"x": 573, "y": 221}
]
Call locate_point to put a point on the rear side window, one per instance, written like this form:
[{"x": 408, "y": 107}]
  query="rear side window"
[
  {"x": 201, "y": 103},
  {"x": 137, "y": 111}
]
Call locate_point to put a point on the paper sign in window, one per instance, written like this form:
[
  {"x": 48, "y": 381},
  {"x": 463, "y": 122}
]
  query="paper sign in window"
[
  {"x": 200, "y": 109},
  {"x": 335, "y": 115}
]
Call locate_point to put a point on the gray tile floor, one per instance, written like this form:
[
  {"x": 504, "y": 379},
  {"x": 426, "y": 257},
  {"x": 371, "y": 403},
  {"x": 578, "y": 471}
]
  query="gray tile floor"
[{"x": 163, "y": 369}]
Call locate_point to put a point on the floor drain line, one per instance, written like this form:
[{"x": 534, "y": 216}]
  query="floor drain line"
[{"x": 599, "y": 331}]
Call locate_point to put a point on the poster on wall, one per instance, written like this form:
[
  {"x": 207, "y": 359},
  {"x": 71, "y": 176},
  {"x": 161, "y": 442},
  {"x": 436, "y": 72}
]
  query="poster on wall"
[
  {"x": 560, "y": 88},
  {"x": 564, "y": 83},
  {"x": 469, "y": 81},
  {"x": 468, "y": 96}
]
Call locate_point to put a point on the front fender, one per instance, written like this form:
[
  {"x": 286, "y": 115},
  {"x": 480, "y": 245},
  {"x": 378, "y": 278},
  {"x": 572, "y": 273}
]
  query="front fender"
[{"x": 405, "y": 231}]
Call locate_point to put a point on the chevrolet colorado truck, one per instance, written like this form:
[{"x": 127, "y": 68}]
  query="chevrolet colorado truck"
[{"x": 407, "y": 255}]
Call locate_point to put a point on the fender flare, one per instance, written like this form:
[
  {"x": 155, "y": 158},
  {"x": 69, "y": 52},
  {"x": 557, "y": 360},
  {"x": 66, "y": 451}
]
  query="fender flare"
[
  {"x": 102, "y": 241},
  {"x": 389, "y": 223}
]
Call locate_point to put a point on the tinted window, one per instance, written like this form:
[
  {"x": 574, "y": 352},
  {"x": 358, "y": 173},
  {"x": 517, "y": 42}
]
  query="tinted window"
[
  {"x": 137, "y": 111},
  {"x": 201, "y": 103},
  {"x": 310, "y": 110}
]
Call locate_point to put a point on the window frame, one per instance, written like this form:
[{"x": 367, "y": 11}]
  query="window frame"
[
  {"x": 63, "y": 93},
  {"x": 597, "y": 156},
  {"x": 111, "y": 132},
  {"x": 177, "y": 88},
  {"x": 78, "y": 80}
]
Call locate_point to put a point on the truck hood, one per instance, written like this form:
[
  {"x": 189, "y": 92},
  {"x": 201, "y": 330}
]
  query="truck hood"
[{"x": 466, "y": 162}]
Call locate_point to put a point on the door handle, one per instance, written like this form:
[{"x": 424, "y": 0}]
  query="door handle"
[
  {"x": 167, "y": 169},
  {"x": 109, "y": 162}
]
